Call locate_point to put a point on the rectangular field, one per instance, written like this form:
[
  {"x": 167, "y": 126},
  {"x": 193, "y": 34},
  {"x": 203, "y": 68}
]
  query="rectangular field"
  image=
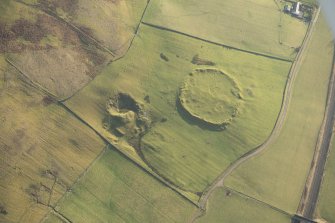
[
  {"x": 228, "y": 206},
  {"x": 116, "y": 190},
  {"x": 259, "y": 26},
  {"x": 278, "y": 175}
]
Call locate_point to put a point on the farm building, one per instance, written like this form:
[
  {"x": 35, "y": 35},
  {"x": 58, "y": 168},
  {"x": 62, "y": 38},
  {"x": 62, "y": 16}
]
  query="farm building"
[
  {"x": 287, "y": 8},
  {"x": 294, "y": 10}
]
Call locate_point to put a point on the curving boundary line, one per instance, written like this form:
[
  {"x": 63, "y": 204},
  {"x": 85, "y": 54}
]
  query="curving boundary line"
[{"x": 276, "y": 130}]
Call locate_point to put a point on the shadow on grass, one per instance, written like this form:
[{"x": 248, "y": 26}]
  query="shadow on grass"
[{"x": 192, "y": 120}]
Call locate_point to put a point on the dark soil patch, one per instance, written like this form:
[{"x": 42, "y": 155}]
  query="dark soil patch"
[
  {"x": 163, "y": 120},
  {"x": 147, "y": 99},
  {"x": 89, "y": 54},
  {"x": 74, "y": 142},
  {"x": 68, "y": 6},
  {"x": 97, "y": 57},
  {"x": 199, "y": 61},
  {"x": 3, "y": 210},
  {"x": 47, "y": 100},
  {"x": 32, "y": 32},
  {"x": 125, "y": 102},
  {"x": 60, "y": 30},
  {"x": 164, "y": 57},
  {"x": 5, "y": 33}
]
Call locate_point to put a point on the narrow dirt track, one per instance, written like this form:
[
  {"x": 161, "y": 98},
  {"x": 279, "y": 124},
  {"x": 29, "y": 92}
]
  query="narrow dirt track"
[
  {"x": 276, "y": 130},
  {"x": 313, "y": 184}
]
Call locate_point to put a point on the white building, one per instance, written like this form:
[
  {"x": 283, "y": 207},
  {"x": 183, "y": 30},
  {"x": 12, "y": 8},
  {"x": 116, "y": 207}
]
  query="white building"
[{"x": 296, "y": 9}]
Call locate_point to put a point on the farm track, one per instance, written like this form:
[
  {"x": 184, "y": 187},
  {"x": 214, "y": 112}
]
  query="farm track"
[
  {"x": 219, "y": 182},
  {"x": 216, "y": 43},
  {"x": 310, "y": 195}
]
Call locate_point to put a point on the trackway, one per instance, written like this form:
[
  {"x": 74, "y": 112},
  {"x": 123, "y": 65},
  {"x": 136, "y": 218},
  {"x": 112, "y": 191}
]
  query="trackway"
[{"x": 276, "y": 130}]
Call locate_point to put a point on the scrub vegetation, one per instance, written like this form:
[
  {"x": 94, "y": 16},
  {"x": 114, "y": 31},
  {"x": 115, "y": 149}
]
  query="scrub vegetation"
[
  {"x": 111, "y": 23},
  {"x": 49, "y": 52}
]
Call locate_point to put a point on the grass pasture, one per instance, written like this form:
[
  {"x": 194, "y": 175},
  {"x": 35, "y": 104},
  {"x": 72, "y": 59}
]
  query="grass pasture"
[
  {"x": 43, "y": 149},
  {"x": 253, "y": 25},
  {"x": 186, "y": 153},
  {"x": 231, "y": 207},
  {"x": 278, "y": 175},
  {"x": 326, "y": 205},
  {"x": 116, "y": 190}
]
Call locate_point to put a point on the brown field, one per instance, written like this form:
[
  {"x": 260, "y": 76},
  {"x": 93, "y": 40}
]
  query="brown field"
[
  {"x": 43, "y": 149},
  {"x": 111, "y": 23},
  {"x": 49, "y": 52}
]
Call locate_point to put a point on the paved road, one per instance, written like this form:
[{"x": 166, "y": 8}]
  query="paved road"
[
  {"x": 313, "y": 184},
  {"x": 275, "y": 132}
]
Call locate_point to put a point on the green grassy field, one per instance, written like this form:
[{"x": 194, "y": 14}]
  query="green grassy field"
[
  {"x": 186, "y": 153},
  {"x": 116, "y": 190},
  {"x": 43, "y": 149},
  {"x": 326, "y": 205},
  {"x": 230, "y": 207},
  {"x": 278, "y": 175},
  {"x": 253, "y": 25}
]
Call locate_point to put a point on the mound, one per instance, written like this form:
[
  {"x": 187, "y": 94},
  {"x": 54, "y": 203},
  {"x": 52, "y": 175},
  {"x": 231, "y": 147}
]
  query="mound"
[
  {"x": 126, "y": 118},
  {"x": 211, "y": 96}
]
